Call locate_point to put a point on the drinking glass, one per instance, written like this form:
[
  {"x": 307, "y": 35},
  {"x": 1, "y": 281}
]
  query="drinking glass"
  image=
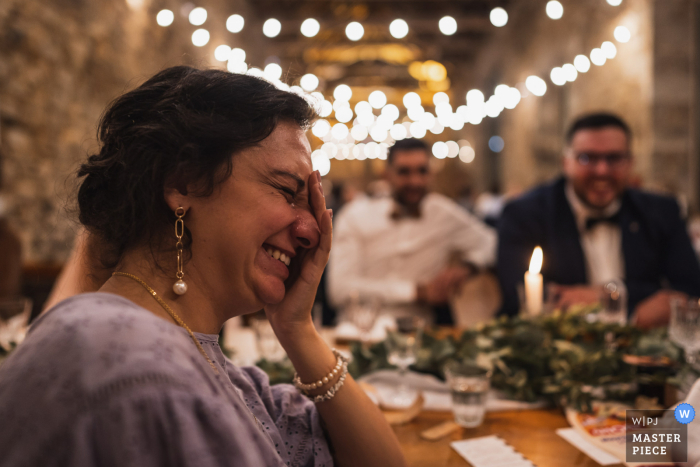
[
  {"x": 684, "y": 329},
  {"x": 613, "y": 298},
  {"x": 469, "y": 385},
  {"x": 363, "y": 314},
  {"x": 402, "y": 346}
]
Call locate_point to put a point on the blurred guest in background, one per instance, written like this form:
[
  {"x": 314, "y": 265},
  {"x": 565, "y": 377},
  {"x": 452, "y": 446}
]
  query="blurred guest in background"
[
  {"x": 397, "y": 249},
  {"x": 593, "y": 228}
]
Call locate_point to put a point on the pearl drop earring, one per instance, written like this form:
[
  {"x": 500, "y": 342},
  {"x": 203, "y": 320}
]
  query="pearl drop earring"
[{"x": 179, "y": 287}]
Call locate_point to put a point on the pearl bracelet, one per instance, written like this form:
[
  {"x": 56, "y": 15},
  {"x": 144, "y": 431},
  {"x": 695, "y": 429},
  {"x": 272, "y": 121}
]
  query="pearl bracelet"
[
  {"x": 331, "y": 392},
  {"x": 338, "y": 368}
]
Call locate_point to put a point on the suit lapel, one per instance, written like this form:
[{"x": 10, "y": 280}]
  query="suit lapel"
[{"x": 568, "y": 263}]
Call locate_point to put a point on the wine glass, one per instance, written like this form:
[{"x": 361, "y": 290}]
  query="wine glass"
[
  {"x": 684, "y": 329},
  {"x": 402, "y": 346},
  {"x": 363, "y": 314}
]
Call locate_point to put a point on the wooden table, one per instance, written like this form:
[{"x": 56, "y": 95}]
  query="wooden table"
[{"x": 531, "y": 432}]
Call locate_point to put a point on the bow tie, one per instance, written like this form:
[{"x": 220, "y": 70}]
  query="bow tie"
[{"x": 593, "y": 221}]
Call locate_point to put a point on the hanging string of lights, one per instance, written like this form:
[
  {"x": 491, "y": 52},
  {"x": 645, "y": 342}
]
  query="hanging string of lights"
[{"x": 343, "y": 142}]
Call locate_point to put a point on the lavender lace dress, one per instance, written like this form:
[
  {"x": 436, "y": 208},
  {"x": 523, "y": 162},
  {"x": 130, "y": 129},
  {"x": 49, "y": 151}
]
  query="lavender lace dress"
[{"x": 100, "y": 381}]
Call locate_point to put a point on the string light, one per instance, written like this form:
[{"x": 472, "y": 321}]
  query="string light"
[
  {"x": 554, "y": 9},
  {"x": 272, "y": 27},
  {"x": 321, "y": 128},
  {"x": 339, "y": 131},
  {"x": 411, "y": 99},
  {"x": 236, "y": 55},
  {"x": 398, "y": 132},
  {"x": 598, "y": 57},
  {"x": 398, "y": 28},
  {"x": 165, "y": 18},
  {"x": 342, "y": 92},
  {"x": 377, "y": 99},
  {"x": 622, "y": 34},
  {"x": 557, "y": 76},
  {"x": 235, "y": 23},
  {"x": 536, "y": 85},
  {"x": 609, "y": 49},
  {"x": 363, "y": 107},
  {"x": 325, "y": 109},
  {"x": 309, "y": 82},
  {"x": 440, "y": 150},
  {"x": 310, "y": 27},
  {"x": 499, "y": 17},
  {"x": 354, "y": 31},
  {"x": 344, "y": 114},
  {"x": 615, "y": 2},
  {"x": 238, "y": 67},
  {"x": 582, "y": 63},
  {"x": 570, "y": 72},
  {"x": 452, "y": 149},
  {"x": 200, "y": 37},
  {"x": 198, "y": 16},
  {"x": 222, "y": 52},
  {"x": 466, "y": 154},
  {"x": 447, "y": 25},
  {"x": 272, "y": 72}
]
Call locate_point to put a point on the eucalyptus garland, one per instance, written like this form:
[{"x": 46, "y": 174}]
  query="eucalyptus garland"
[{"x": 562, "y": 358}]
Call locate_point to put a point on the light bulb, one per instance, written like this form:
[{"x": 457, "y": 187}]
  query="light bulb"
[
  {"x": 235, "y": 23},
  {"x": 165, "y": 18},
  {"x": 272, "y": 27},
  {"x": 310, "y": 27}
]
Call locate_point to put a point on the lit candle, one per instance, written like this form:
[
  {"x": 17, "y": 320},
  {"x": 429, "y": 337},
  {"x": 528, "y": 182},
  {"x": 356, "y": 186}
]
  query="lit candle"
[{"x": 533, "y": 284}]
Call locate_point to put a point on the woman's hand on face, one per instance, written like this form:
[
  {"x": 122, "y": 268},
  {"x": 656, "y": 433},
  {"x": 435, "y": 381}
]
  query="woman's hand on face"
[{"x": 295, "y": 309}]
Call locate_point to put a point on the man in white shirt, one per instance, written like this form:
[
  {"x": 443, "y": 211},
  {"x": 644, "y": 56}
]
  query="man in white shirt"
[
  {"x": 593, "y": 229},
  {"x": 398, "y": 249}
]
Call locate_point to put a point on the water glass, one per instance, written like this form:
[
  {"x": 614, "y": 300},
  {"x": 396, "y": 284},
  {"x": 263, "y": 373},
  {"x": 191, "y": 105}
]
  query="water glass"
[
  {"x": 363, "y": 314},
  {"x": 684, "y": 329},
  {"x": 402, "y": 346},
  {"x": 469, "y": 385},
  {"x": 613, "y": 298}
]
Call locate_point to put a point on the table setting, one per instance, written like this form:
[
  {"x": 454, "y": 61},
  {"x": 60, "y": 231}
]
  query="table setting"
[{"x": 517, "y": 382}]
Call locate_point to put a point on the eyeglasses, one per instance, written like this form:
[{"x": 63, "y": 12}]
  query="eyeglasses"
[
  {"x": 406, "y": 171},
  {"x": 613, "y": 160}
]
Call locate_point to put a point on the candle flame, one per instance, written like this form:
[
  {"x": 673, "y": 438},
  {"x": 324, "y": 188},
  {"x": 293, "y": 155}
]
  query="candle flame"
[{"x": 536, "y": 261}]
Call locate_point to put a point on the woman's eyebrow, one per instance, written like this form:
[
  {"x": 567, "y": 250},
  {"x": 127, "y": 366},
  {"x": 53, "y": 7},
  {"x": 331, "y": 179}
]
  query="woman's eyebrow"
[{"x": 295, "y": 177}]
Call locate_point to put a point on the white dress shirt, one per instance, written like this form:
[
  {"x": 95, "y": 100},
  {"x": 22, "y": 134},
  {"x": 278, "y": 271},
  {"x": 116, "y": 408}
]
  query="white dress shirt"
[
  {"x": 601, "y": 244},
  {"x": 377, "y": 257}
]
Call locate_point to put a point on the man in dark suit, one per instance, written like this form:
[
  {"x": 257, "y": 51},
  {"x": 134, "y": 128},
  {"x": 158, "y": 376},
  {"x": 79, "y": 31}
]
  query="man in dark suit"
[{"x": 593, "y": 228}]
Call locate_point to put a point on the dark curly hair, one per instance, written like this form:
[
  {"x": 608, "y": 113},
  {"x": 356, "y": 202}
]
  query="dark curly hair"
[{"x": 178, "y": 129}]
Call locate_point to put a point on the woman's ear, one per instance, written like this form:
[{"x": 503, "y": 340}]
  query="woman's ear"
[{"x": 176, "y": 199}]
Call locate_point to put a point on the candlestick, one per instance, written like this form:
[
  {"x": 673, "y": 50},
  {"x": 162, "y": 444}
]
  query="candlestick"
[{"x": 533, "y": 284}]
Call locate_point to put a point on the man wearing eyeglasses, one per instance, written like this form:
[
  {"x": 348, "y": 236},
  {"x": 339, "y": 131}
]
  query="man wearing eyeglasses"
[
  {"x": 594, "y": 229},
  {"x": 397, "y": 249}
]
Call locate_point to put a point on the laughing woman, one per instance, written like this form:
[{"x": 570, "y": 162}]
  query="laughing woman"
[{"x": 206, "y": 207}]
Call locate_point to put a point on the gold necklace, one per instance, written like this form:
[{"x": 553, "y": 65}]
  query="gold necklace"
[
  {"x": 172, "y": 314},
  {"x": 181, "y": 323}
]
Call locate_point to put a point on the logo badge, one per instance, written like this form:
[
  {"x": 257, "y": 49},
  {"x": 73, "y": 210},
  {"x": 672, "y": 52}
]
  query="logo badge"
[{"x": 685, "y": 413}]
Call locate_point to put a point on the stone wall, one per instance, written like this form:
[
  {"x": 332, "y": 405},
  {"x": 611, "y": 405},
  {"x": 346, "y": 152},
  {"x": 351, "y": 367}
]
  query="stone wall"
[{"x": 61, "y": 63}]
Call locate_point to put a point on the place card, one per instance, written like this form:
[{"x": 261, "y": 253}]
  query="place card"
[
  {"x": 594, "y": 452},
  {"x": 489, "y": 451}
]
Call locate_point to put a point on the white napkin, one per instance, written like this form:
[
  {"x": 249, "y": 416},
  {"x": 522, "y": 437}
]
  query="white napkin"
[
  {"x": 594, "y": 452},
  {"x": 490, "y": 451}
]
